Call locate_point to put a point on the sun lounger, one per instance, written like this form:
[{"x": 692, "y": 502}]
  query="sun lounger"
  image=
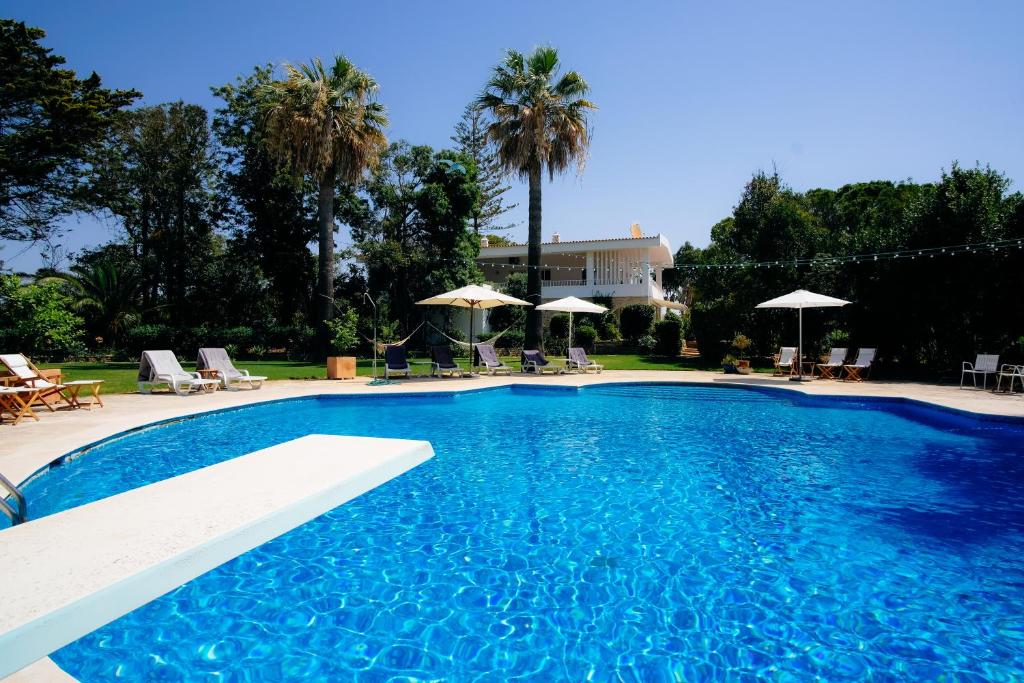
[
  {"x": 231, "y": 377},
  {"x": 162, "y": 367},
  {"x": 17, "y": 402},
  {"x": 984, "y": 365},
  {"x": 860, "y": 369},
  {"x": 28, "y": 375},
  {"x": 443, "y": 362},
  {"x": 396, "y": 362},
  {"x": 834, "y": 364},
  {"x": 534, "y": 361},
  {"x": 489, "y": 359},
  {"x": 784, "y": 363},
  {"x": 578, "y": 361}
]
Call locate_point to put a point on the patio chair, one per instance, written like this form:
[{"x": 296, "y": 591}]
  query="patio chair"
[
  {"x": 784, "y": 363},
  {"x": 860, "y": 369},
  {"x": 1011, "y": 372},
  {"x": 985, "y": 364},
  {"x": 231, "y": 377},
  {"x": 17, "y": 402},
  {"x": 396, "y": 362},
  {"x": 489, "y": 359},
  {"x": 578, "y": 360},
  {"x": 443, "y": 362},
  {"x": 162, "y": 367},
  {"x": 833, "y": 365},
  {"x": 534, "y": 361},
  {"x": 28, "y": 375}
]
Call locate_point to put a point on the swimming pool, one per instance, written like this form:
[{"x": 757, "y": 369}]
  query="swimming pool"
[{"x": 619, "y": 532}]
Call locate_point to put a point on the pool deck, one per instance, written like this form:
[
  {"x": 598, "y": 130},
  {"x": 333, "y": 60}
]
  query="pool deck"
[{"x": 30, "y": 446}]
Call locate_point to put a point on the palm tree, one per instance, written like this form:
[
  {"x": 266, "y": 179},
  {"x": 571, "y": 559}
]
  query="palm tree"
[
  {"x": 539, "y": 122},
  {"x": 324, "y": 124},
  {"x": 109, "y": 295}
]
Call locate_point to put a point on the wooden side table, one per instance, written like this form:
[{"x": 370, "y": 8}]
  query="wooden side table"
[
  {"x": 75, "y": 388},
  {"x": 210, "y": 373}
]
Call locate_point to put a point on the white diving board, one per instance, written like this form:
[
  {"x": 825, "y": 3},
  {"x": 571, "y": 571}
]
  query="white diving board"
[{"x": 70, "y": 573}]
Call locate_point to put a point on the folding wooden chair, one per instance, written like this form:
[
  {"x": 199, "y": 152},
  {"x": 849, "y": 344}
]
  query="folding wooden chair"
[
  {"x": 30, "y": 376},
  {"x": 865, "y": 357},
  {"x": 17, "y": 402}
]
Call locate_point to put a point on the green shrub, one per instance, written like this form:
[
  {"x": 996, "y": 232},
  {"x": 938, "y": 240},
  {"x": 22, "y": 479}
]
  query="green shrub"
[
  {"x": 343, "y": 331},
  {"x": 647, "y": 343},
  {"x": 513, "y": 339},
  {"x": 559, "y": 326},
  {"x": 584, "y": 336},
  {"x": 36, "y": 320},
  {"x": 147, "y": 337},
  {"x": 669, "y": 333},
  {"x": 555, "y": 347},
  {"x": 636, "y": 321}
]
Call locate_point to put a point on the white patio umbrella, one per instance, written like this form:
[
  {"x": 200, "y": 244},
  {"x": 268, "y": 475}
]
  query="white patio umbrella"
[
  {"x": 570, "y": 305},
  {"x": 801, "y": 299},
  {"x": 473, "y": 297}
]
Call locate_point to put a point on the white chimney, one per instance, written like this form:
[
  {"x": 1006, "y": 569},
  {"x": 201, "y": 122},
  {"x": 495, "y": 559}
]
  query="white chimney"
[
  {"x": 484, "y": 242},
  {"x": 556, "y": 238}
]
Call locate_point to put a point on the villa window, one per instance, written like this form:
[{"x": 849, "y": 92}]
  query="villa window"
[
  {"x": 514, "y": 260},
  {"x": 545, "y": 275}
]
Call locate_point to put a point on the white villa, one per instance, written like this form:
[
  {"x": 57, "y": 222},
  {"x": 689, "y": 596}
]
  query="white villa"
[{"x": 627, "y": 269}]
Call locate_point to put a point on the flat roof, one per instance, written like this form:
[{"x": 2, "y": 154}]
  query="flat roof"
[
  {"x": 658, "y": 246},
  {"x": 72, "y": 572}
]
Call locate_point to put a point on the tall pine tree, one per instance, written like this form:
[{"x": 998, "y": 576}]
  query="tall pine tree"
[{"x": 471, "y": 138}]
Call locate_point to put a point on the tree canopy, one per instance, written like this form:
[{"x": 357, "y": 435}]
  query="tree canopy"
[
  {"x": 50, "y": 123},
  {"x": 920, "y": 313}
]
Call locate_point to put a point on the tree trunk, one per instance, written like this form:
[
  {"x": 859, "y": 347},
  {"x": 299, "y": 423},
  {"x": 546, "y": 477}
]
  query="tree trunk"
[
  {"x": 325, "y": 274},
  {"x": 534, "y": 328}
]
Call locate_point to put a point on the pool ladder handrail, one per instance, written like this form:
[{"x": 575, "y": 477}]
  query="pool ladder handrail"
[{"x": 20, "y": 515}]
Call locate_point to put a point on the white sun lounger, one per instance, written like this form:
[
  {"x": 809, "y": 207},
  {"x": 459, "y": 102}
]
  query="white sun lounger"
[
  {"x": 162, "y": 367},
  {"x": 232, "y": 377}
]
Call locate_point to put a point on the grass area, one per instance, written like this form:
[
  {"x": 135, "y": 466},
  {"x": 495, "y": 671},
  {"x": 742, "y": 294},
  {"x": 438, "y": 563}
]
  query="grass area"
[{"x": 121, "y": 377}]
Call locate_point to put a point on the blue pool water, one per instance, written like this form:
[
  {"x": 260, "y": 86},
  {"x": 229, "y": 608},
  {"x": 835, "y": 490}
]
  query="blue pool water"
[{"x": 636, "y": 533}]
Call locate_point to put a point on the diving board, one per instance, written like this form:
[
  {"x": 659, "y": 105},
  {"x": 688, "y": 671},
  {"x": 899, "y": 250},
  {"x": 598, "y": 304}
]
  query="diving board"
[{"x": 72, "y": 572}]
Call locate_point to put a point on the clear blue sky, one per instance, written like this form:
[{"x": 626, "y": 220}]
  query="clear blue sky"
[{"x": 693, "y": 96}]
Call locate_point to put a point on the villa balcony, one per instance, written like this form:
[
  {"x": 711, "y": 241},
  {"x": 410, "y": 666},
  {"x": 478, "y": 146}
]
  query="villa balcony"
[{"x": 556, "y": 289}]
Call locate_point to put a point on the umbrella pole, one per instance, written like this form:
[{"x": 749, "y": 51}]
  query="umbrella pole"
[
  {"x": 800, "y": 344},
  {"x": 472, "y": 346},
  {"x": 570, "y": 335}
]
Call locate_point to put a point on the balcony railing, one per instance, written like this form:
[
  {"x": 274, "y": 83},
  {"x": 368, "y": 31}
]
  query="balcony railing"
[{"x": 564, "y": 283}]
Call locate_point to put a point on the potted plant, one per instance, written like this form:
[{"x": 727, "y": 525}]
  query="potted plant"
[
  {"x": 343, "y": 339},
  {"x": 741, "y": 343},
  {"x": 729, "y": 364}
]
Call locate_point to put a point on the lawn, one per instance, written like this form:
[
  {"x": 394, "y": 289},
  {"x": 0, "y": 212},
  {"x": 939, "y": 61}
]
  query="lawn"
[{"x": 121, "y": 377}]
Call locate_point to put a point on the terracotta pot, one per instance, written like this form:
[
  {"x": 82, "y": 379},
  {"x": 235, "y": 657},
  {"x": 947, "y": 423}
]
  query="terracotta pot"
[{"x": 341, "y": 367}]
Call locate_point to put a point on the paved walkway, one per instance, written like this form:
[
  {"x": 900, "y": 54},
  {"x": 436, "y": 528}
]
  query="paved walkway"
[{"x": 30, "y": 445}]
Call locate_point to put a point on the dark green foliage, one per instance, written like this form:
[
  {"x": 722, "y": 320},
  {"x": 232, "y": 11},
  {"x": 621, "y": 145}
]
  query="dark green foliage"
[
  {"x": 669, "y": 333},
  {"x": 271, "y": 218},
  {"x": 36, "y": 319},
  {"x": 510, "y": 317},
  {"x": 584, "y": 336},
  {"x": 636, "y": 320},
  {"x": 921, "y": 313},
  {"x": 471, "y": 139},
  {"x": 559, "y": 326},
  {"x": 513, "y": 339},
  {"x": 409, "y": 223},
  {"x": 50, "y": 124},
  {"x": 156, "y": 176}
]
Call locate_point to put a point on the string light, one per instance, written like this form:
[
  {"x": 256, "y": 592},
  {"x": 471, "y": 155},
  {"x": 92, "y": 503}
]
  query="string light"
[{"x": 931, "y": 252}]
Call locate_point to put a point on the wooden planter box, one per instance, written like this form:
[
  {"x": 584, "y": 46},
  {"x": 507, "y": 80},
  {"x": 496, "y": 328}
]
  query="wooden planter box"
[{"x": 341, "y": 367}]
